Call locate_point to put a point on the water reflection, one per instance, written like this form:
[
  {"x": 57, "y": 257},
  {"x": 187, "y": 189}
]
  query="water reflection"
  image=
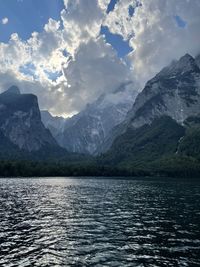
[{"x": 84, "y": 222}]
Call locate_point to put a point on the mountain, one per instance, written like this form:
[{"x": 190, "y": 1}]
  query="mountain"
[
  {"x": 189, "y": 144},
  {"x": 164, "y": 121},
  {"x": 54, "y": 123},
  {"x": 175, "y": 92},
  {"x": 163, "y": 147},
  {"x": 146, "y": 143},
  {"x": 21, "y": 128},
  {"x": 86, "y": 131}
]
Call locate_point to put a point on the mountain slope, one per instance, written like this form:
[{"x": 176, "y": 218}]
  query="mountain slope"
[
  {"x": 190, "y": 143},
  {"x": 146, "y": 143},
  {"x": 175, "y": 92},
  {"x": 86, "y": 131},
  {"x": 164, "y": 121},
  {"x": 21, "y": 129},
  {"x": 162, "y": 148},
  {"x": 54, "y": 124}
]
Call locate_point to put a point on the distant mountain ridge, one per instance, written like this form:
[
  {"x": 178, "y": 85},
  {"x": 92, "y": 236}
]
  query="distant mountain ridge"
[
  {"x": 86, "y": 131},
  {"x": 54, "y": 123}
]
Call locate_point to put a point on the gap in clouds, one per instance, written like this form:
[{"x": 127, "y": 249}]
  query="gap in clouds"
[
  {"x": 111, "y": 6},
  {"x": 98, "y": 43},
  {"x": 122, "y": 47},
  {"x": 27, "y": 16},
  {"x": 180, "y": 22}
]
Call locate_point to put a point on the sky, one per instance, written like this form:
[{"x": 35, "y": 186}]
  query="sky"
[{"x": 69, "y": 52}]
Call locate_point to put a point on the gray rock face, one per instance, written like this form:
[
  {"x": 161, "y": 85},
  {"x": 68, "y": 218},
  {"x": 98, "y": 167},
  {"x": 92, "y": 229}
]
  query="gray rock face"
[
  {"x": 86, "y": 131},
  {"x": 174, "y": 92},
  {"x": 197, "y": 59},
  {"x": 12, "y": 90},
  {"x": 20, "y": 121},
  {"x": 54, "y": 124}
]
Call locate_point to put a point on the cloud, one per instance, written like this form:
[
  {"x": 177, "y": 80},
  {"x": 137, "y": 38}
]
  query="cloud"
[
  {"x": 104, "y": 4},
  {"x": 82, "y": 21},
  {"x": 92, "y": 70},
  {"x": 154, "y": 34},
  {"x": 69, "y": 64},
  {"x": 4, "y": 21},
  {"x": 96, "y": 69},
  {"x": 119, "y": 20},
  {"x": 72, "y": 48}
]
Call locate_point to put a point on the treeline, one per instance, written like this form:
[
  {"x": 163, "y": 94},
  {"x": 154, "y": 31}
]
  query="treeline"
[
  {"x": 166, "y": 167},
  {"x": 50, "y": 169}
]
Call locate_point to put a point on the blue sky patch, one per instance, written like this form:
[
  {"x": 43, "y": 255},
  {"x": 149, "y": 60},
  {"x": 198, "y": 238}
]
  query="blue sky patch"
[
  {"x": 28, "y": 69},
  {"x": 65, "y": 53},
  {"x": 131, "y": 11},
  {"x": 111, "y": 5},
  {"x": 122, "y": 47},
  {"x": 53, "y": 76},
  {"x": 27, "y": 16},
  {"x": 180, "y": 22}
]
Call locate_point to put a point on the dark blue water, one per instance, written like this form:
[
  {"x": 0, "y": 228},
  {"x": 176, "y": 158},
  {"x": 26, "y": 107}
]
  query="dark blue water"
[{"x": 85, "y": 222}]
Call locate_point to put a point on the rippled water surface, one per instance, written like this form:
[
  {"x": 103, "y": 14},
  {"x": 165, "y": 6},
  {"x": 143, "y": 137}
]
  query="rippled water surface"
[{"x": 91, "y": 222}]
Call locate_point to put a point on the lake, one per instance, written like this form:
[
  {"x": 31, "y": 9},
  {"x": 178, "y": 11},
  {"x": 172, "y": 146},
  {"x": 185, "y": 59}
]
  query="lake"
[{"x": 99, "y": 222}]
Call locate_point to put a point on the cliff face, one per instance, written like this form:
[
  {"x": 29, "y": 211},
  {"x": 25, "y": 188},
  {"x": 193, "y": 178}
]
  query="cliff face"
[
  {"x": 87, "y": 131},
  {"x": 54, "y": 123},
  {"x": 164, "y": 120},
  {"x": 175, "y": 92},
  {"x": 20, "y": 121}
]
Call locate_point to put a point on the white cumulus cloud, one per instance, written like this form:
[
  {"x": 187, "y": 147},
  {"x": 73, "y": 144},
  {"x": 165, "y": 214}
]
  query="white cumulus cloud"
[
  {"x": 154, "y": 34},
  {"x": 69, "y": 64}
]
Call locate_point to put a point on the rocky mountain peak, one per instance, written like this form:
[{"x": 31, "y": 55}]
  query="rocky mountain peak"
[
  {"x": 20, "y": 121},
  {"x": 170, "y": 98},
  {"x": 86, "y": 131},
  {"x": 175, "y": 92},
  {"x": 186, "y": 58},
  {"x": 13, "y": 90},
  {"x": 185, "y": 64}
]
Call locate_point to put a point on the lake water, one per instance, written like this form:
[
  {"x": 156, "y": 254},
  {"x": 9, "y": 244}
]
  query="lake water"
[{"x": 99, "y": 222}]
